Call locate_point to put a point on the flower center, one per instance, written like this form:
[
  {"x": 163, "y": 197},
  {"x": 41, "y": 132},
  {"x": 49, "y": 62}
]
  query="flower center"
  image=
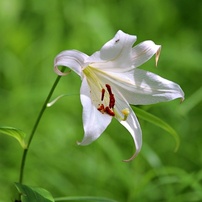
[
  {"x": 105, "y": 102},
  {"x": 102, "y": 95},
  {"x": 107, "y": 109}
]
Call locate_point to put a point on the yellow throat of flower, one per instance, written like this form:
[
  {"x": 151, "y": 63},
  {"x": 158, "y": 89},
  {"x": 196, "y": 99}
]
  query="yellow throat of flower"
[{"x": 106, "y": 104}]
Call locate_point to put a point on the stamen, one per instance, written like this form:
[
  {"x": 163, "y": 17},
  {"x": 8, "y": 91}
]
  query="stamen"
[
  {"x": 109, "y": 89},
  {"x": 111, "y": 101},
  {"x": 103, "y": 94},
  {"x": 111, "y": 96},
  {"x": 109, "y": 111},
  {"x": 101, "y": 108}
]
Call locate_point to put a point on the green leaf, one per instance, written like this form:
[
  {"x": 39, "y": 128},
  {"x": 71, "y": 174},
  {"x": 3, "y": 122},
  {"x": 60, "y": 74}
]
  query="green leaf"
[
  {"x": 30, "y": 194},
  {"x": 83, "y": 198},
  {"x": 16, "y": 133},
  {"x": 58, "y": 98},
  {"x": 158, "y": 122}
]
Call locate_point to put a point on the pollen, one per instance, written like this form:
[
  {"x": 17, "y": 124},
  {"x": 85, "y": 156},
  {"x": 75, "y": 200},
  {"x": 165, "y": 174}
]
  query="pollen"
[
  {"x": 110, "y": 108},
  {"x": 101, "y": 108},
  {"x": 109, "y": 88},
  {"x": 111, "y": 96},
  {"x": 109, "y": 111},
  {"x": 102, "y": 94},
  {"x": 111, "y": 101}
]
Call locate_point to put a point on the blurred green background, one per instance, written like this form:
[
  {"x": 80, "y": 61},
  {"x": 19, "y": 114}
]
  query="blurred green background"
[{"x": 32, "y": 33}]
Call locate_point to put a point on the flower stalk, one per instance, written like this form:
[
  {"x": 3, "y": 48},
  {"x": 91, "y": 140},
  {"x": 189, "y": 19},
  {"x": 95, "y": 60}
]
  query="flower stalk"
[{"x": 25, "y": 151}]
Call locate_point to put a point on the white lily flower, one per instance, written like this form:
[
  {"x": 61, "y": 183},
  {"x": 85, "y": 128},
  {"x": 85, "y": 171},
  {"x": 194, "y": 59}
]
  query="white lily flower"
[{"x": 111, "y": 82}]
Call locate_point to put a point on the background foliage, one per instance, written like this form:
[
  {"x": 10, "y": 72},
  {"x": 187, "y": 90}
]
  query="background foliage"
[{"x": 32, "y": 33}]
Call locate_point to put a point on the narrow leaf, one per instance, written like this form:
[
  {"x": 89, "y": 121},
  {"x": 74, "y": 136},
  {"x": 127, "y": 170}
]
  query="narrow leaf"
[
  {"x": 58, "y": 98},
  {"x": 191, "y": 102},
  {"x": 16, "y": 133},
  {"x": 83, "y": 198},
  {"x": 158, "y": 122},
  {"x": 30, "y": 194}
]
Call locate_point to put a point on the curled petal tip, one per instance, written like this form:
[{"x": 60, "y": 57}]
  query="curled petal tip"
[
  {"x": 131, "y": 158},
  {"x": 181, "y": 100},
  {"x": 78, "y": 143},
  {"x": 60, "y": 73},
  {"x": 157, "y": 55},
  {"x": 82, "y": 143}
]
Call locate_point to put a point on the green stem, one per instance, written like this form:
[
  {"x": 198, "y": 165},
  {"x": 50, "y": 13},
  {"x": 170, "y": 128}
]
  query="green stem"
[{"x": 35, "y": 127}]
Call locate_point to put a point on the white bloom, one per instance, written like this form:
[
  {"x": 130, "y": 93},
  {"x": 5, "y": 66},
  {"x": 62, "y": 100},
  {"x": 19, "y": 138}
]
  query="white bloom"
[{"x": 111, "y": 82}]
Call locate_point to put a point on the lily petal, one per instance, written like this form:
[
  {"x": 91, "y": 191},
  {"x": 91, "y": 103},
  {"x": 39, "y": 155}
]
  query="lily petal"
[
  {"x": 72, "y": 59},
  {"x": 150, "y": 88},
  {"x": 130, "y": 123},
  {"x": 116, "y": 54},
  {"x": 141, "y": 87},
  {"x": 144, "y": 51},
  {"x": 121, "y": 44},
  {"x": 94, "y": 122}
]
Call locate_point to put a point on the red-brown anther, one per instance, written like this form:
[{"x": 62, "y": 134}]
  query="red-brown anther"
[
  {"x": 103, "y": 94},
  {"x": 109, "y": 111},
  {"x": 111, "y": 101},
  {"x": 101, "y": 108},
  {"x": 109, "y": 89},
  {"x": 111, "y": 96}
]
